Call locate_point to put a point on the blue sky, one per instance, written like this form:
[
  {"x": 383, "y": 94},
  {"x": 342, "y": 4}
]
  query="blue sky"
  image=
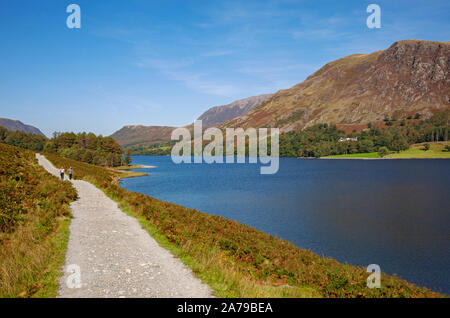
[{"x": 164, "y": 62}]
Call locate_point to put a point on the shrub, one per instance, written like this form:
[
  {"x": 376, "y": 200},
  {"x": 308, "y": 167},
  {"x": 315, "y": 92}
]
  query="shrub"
[
  {"x": 31, "y": 203},
  {"x": 383, "y": 152}
]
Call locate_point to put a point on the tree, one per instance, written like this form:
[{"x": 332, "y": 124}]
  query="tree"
[
  {"x": 365, "y": 146},
  {"x": 399, "y": 143},
  {"x": 3, "y": 133},
  {"x": 426, "y": 147},
  {"x": 87, "y": 148},
  {"x": 383, "y": 151},
  {"x": 128, "y": 157}
]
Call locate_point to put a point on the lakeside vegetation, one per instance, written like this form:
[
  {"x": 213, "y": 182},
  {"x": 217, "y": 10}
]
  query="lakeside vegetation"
[
  {"x": 127, "y": 173},
  {"x": 158, "y": 149},
  {"x": 34, "y": 220},
  {"x": 326, "y": 140},
  {"x": 396, "y": 135},
  {"x": 369, "y": 155},
  {"x": 237, "y": 260},
  {"x": 85, "y": 147},
  {"x": 97, "y": 150},
  {"x": 436, "y": 150}
]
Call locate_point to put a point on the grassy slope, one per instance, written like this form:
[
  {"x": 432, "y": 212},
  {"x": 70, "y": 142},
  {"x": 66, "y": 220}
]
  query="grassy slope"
[
  {"x": 416, "y": 151},
  {"x": 237, "y": 260},
  {"x": 34, "y": 221},
  {"x": 355, "y": 155}
]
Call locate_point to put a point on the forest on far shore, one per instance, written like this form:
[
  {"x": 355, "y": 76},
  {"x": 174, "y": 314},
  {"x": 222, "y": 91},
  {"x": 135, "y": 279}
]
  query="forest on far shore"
[{"x": 317, "y": 141}]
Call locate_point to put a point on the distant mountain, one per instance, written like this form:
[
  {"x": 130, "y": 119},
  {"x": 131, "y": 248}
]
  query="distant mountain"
[
  {"x": 219, "y": 114},
  {"x": 410, "y": 77},
  {"x": 139, "y": 135},
  {"x": 15, "y": 125}
]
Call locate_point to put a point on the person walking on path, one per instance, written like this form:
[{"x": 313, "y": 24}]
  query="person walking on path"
[
  {"x": 61, "y": 172},
  {"x": 70, "y": 172}
]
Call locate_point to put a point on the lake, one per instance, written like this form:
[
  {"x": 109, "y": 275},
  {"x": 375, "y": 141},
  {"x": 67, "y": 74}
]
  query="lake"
[{"x": 394, "y": 213}]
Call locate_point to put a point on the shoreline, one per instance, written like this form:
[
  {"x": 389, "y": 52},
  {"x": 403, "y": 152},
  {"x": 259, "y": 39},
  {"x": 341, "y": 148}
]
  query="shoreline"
[
  {"x": 350, "y": 158},
  {"x": 212, "y": 252},
  {"x": 131, "y": 167}
]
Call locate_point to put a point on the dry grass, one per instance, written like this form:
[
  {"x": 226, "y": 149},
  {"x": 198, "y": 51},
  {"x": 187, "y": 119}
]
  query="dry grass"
[{"x": 33, "y": 225}]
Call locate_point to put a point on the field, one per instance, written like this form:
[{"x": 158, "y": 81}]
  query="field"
[
  {"x": 436, "y": 151},
  {"x": 371, "y": 155},
  {"x": 237, "y": 260},
  {"x": 34, "y": 221},
  {"x": 417, "y": 151}
]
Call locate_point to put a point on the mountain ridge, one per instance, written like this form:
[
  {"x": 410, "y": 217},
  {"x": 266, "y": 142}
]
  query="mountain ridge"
[
  {"x": 17, "y": 125},
  {"x": 219, "y": 114},
  {"x": 409, "y": 77},
  {"x": 140, "y": 135}
]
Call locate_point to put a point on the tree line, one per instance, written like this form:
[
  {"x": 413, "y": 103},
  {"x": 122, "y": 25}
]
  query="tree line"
[
  {"x": 22, "y": 139},
  {"x": 85, "y": 147},
  {"x": 396, "y": 135},
  {"x": 326, "y": 139}
]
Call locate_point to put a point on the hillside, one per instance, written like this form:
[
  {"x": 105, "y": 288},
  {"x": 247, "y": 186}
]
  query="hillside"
[
  {"x": 410, "y": 77},
  {"x": 16, "y": 125},
  {"x": 219, "y": 114},
  {"x": 34, "y": 221},
  {"x": 144, "y": 137},
  {"x": 139, "y": 135}
]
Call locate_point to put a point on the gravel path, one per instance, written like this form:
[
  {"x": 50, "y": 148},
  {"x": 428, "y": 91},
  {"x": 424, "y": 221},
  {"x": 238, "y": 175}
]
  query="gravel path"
[{"x": 116, "y": 257}]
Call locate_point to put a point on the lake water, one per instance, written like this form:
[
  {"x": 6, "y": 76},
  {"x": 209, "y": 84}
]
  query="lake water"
[{"x": 394, "y": 213}]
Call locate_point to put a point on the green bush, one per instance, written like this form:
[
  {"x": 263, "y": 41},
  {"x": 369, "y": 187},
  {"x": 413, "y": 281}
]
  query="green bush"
[{"x": 383, "y": 152}]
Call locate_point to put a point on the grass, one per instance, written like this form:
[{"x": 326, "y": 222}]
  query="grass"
[
  {"x": 436, "y": 151},
  {"x": 123, "y": 174},
  {"x": 417, "y": 152},
  {"x": 237, "y": 260},
  {"x": 58, "y": 244},
  {"x": 34, "y": 220},
  {"x": 130, "y": 167},
  {"x": 224, "y": 280},
  {"x": 355, "y": 155}
]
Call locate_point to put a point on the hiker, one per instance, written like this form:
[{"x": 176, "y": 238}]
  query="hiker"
[
  {"x": 62, "y": 173},
  {"x": 70, "y": 172}
]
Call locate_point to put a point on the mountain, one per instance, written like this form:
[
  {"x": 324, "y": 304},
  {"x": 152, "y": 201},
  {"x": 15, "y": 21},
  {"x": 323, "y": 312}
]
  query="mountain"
[
  {"x": 411, "y": 76},
  {"x": 219, "y": 114},
  {"x": 140, "y": 135},
  {"x": 15, "y": 125},
  {"x": 137, "y": 136}
]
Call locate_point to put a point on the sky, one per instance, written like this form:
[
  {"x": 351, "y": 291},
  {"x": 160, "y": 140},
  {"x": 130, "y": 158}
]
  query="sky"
[{"x": 165, "y": 62}]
